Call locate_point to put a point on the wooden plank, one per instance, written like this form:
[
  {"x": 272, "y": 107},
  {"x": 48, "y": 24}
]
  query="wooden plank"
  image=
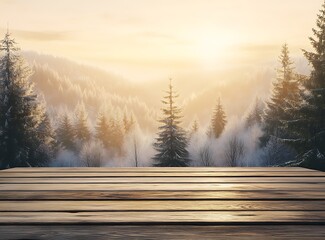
[
  {"x": 172, "y": 217},
  {"x": 82, "y": 232},
  {"x": 165, "y": 187},
  {"x": 167, "y": 180},
  {"x": 7, "y": 174},
  {"x": 159, "y": 169},
  {"x": 162, "y": 195},
  {"x": 194, "y": 205},
  {"x": 257, "y": 198}
]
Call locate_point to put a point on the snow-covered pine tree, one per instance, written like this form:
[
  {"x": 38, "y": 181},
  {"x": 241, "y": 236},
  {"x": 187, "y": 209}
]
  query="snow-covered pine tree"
[
  {"x": 255, "y": 115},
  {"x": 103, "y": 131},
  {"x": 218, "y": 121},
  {"x": 285, "y": 97},
  {"x": 22, "y": 118},
  {"x": 81, "y": 127},
  {"x": 171, "y": 142},
  {"x": 308, "y": 126},
  {"x": 65, "y": 133}
]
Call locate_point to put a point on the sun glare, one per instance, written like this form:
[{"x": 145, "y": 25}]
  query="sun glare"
[{"x": 209, "y": 51}]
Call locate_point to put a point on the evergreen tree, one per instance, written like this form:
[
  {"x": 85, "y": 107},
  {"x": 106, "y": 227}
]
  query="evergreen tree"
[
  {"x": 255, "y": 116},
  {"x": 128, "y": 123},
  {"x": 218, "y": 121},
  {"x": 82, "y": 131},
  {"x": 195, "y": 127},
  {"x": 117, "y": 136},
  {"x": 22, "y": 137},
  {"x": 285, "y": 98},
  {"x": 308, "y": 126},
  {"x": 110, "y": 133},
  {"x": 65, "y": 133},
  {"x": 103, "y": 130},
  {"x": 171, "y": 142},
  {"x": 276, "y": 152},
  {"x": 49, "y": 143}
]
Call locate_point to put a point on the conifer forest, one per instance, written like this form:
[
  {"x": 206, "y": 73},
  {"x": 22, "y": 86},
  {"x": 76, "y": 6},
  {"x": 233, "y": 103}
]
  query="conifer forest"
[{"x": 60, "y": 112}]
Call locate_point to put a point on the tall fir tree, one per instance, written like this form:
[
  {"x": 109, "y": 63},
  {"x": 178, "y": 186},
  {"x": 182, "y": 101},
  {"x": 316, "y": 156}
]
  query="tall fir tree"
[
  {"x": 308, "y": 126},
  {"x": 22, "y": 116},
  {"x": 103, "y": 131},
  {"x": 117, "y": 136},
  {"x": 81, "y": 127},
  {"x": 285, "y": 98},
  {"x": 49, "y": 144},
  {"x": 171, "y": 142},
  {"x": 218, "y": 121},
  {"x": 65, "y": 133}
]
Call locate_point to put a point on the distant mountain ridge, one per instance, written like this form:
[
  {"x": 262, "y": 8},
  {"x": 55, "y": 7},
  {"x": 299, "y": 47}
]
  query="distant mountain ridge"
[{"x": 65, "y": 83}]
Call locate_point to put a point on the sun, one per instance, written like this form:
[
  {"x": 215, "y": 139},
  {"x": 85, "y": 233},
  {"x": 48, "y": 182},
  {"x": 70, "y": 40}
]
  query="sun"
[{"x": 209, "y": 50}]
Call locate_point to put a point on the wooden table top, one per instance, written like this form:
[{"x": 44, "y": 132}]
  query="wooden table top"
[{"x": 162, "y": 203}]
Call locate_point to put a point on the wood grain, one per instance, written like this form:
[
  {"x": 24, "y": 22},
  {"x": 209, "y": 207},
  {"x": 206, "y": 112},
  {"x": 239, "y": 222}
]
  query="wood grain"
[
  {"x": 186, "y": 232},
  {"x": 166, "y": 180},
  {"x": 158, "y": 205},
  {"x": 160, "y": 169},
  {"x": 7, "y": 174},
  {"x": 163, "y": 195},
  {"x": 164, "y": 187},
  {"x": 146, "y": 203},
  {"x": 170, "y": 217}
]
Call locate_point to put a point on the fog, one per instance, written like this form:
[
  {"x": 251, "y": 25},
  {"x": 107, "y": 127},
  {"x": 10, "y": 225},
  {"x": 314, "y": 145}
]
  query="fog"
[{"x": 64, "y": 85}]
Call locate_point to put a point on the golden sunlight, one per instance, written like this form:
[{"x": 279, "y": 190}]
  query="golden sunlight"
[{"x": 210, "y": 49}]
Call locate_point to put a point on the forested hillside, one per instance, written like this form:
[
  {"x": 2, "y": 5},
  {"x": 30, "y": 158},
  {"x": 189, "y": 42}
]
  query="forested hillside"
[{"x": 57, "y": 112}]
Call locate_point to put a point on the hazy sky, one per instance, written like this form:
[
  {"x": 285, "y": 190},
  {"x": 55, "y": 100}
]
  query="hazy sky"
[{"x": 143, "y": 39}]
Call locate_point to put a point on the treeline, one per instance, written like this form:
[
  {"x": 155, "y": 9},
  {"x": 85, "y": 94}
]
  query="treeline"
[
  {"x": 64, "y": 84},
  {"x": 109, "y": 135},
  {"x": 293, "y": 121},
  {"x": 69, "y": 138},
  {"x": 27, "y": 136},
  {"x": 288, "y": 129}
]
